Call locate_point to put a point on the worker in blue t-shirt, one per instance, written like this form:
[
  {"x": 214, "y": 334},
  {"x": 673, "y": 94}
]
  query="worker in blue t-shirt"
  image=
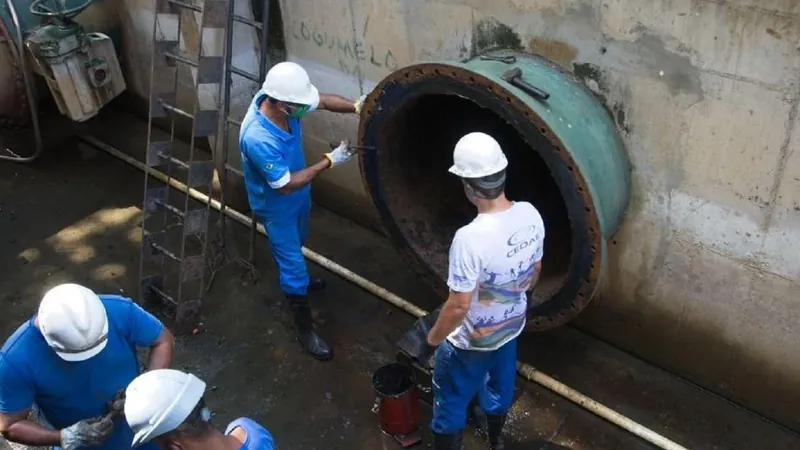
[
  {"x": 69, "y": 361},
  {"x": 166, "y": 407},
  {"x": 277, "y": 180}
]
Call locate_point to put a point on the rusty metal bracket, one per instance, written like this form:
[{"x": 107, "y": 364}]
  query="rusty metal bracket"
[
  {"x": 157, "y": 102},
  {"x": 154, "y": 198},
  {"x": 158, "y": 153},
  {"x": 164, "y": 49},
  {"x": 151, "y": 247}
]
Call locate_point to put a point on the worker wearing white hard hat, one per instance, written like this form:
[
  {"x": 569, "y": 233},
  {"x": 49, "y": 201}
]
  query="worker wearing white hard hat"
[
  {"x": 494, "y": 261},
  {"x": 166, "y": 407},
  {"x": 71, "y": 360},
  {"x": 277, "y": 180}
]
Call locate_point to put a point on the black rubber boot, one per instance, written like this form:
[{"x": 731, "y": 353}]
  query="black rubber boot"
[
  {"x": 447, "y": 441},
  {"x": 494, "y": 428},
  {"x": 476, "y": 417},
  {"x": 316, "y": 284},
  {"x": 304, "y": 326}
]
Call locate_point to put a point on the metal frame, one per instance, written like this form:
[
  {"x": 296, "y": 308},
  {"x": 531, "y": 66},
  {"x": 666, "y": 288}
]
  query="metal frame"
[
  {"x": 199, "y": 173},
  {"x": 263, "y": 66},
  {"x": 166, "y": 58}
]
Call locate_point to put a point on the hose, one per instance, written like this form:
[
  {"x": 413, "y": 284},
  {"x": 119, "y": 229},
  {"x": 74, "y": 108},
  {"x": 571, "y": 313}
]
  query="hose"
[
  {"x": 525, "y": 370},
  {"x": 18, "y": 51}
]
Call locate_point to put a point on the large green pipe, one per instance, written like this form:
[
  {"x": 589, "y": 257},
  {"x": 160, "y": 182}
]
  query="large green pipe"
[{"x": 565, "y": 153}]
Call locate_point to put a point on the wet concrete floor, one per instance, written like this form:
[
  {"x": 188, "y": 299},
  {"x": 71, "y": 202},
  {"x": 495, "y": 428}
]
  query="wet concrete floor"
[{"x": 74, "y": 216}]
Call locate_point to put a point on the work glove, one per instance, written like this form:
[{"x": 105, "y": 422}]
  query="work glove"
[
  {"x": 425, "y": 355},
  {"x": 415, "y": 341},
  {"x": 87, "y": 433},
  {"x": 340, "y": 154},
  {"x": 116, "y": 406},
  {"x": 359, "y": 103}
]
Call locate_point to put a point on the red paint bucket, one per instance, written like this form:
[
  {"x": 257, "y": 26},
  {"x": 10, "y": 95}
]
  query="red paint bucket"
[{"x": 398, "y": 401}]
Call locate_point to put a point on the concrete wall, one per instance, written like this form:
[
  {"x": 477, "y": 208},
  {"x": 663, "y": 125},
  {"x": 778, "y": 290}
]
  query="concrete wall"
[{"x": 703, "y": 272}]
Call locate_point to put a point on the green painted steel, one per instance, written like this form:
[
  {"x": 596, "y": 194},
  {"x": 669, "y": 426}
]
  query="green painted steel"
[
  {"x": 558, "y": 118},
  {"x": 582, "y": 123}
]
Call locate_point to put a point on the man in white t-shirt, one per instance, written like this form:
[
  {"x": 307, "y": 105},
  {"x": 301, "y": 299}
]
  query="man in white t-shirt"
[{"x": 494, "y": 261}]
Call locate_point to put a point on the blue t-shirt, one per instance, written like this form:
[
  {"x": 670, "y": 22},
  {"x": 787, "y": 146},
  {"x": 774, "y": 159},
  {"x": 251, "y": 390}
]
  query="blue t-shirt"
[
  {"x": 269, "y": 156},
  {"x": 258, "y": 438},
  {"x": 68, "y": 392}
]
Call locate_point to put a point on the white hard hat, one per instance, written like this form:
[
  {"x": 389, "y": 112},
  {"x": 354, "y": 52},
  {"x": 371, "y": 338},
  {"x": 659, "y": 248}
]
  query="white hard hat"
[
  {"x": 73, "y": 321},
  {"x": 158, "y": 401},
  {"x": 477, "y": 155},
  {"x": 288, "y": 82}
]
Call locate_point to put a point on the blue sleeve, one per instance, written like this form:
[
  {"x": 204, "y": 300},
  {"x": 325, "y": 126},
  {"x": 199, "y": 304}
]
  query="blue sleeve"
[
  {"x": 258, "y": 437},
  {"x": 139, "y": 326},
  {"x": 16, "y": 393},
  {"x": 144, "y": 327},
  {"x": 269, "y": 161}
]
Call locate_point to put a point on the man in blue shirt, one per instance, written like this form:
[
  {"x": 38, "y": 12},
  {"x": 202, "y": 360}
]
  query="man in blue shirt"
[
  {"x": 167, "y": 407},
  {"x": 70, "y": 361},
  {"x": 277, "y": 180}
]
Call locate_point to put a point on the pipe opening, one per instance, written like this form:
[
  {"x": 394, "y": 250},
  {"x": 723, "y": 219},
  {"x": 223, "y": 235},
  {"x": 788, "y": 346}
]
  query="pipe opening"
[
  {"x": 564, "y": 154},
  {"x": 429, "y": 203}
]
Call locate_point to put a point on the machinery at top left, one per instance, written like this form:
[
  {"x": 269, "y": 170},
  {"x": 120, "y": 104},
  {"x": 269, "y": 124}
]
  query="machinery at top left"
[{"x": 80, "y": 68}]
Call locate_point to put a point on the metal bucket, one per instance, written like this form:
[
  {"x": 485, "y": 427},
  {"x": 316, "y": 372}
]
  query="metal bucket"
[{"x": 397, "y": 404}]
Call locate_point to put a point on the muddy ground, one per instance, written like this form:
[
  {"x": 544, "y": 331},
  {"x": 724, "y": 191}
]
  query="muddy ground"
[{"x": 75, "y": 216}]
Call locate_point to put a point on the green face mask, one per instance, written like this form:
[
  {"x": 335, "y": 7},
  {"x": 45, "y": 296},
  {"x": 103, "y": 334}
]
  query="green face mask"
[{"x": 297, "y": 112}]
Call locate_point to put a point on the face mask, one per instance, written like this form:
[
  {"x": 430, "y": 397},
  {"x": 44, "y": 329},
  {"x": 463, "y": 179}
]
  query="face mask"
[{"x": 296, "y": 112}]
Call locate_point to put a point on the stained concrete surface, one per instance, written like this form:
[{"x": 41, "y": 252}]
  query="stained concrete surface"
[{"x": 75, "y": 216}]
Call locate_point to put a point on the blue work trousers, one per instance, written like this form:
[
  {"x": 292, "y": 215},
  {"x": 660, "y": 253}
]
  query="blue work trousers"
[
  {"x": 460, "y": 374},
  {"x": 287, "y": 234}
]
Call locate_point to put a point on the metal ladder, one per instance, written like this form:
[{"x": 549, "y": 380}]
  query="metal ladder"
[
  {"x": 164, "y": 225},
  {"x": 222, "y": 146}
]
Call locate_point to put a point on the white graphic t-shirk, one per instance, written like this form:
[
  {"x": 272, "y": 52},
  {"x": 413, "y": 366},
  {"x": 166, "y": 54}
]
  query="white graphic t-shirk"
[{"x": 494, "y": 256}]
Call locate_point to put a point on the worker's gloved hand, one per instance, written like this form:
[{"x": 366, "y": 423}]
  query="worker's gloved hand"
[
  {"x": 359, "y": 103},
  {"x": 415, "y": 341},
  {"x": 117, "y": 404},
  {"x": 424, "y": 357},
  {"x": 340, "y": 154},
  {"x": 87, "y": 433}
]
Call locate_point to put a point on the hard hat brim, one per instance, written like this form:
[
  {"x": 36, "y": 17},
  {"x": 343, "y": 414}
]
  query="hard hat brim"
[
  {"x": 192, "y": 392},
  {"x": 83, "y": 356},
  {"x": 485, "y": 173},
  {"x": 454, "y": 170},
  {"x": 313, "y": 97}
]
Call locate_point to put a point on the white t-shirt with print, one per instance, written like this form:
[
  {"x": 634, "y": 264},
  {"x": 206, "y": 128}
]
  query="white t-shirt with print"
[{"x": 494, "y": 256}]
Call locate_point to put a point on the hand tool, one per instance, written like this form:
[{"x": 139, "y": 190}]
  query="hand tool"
[
  {"x": 514, "y": 78},
  {"x": 508, "y": 59},
  {"x": 333, "y": 145}
]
